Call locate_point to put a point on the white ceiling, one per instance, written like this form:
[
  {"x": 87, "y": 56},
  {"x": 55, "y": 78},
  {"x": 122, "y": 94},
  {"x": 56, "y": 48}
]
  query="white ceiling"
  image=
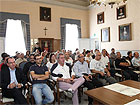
[{"x": 80, "y": 4}]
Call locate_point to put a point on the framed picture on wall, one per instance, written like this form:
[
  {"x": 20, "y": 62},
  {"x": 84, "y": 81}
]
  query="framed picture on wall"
[
  {"x": 45, "y": 14},
  {"x": 121, "y": 12},
  {"x": 100, "y": 18},
  {"x": 125, "y": 32},
  {"x": 105, "y": 34}
]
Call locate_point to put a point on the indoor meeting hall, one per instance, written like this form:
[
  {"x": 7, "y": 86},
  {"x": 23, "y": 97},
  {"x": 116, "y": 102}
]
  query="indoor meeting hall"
[{"x": 69, "y": 52}]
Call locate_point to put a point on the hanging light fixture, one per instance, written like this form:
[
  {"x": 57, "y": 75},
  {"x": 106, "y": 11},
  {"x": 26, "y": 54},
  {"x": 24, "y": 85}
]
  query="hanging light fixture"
[{"x": 105, "y": 2}]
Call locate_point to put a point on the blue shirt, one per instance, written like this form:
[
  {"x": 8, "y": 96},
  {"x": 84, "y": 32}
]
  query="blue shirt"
[
  {"x": 80, "y": 68},
  {"x": 13, "y": 76}
]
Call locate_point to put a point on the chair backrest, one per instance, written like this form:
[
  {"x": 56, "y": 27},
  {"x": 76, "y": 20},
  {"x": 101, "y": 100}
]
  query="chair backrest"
[{"x": 114, "y": 65}]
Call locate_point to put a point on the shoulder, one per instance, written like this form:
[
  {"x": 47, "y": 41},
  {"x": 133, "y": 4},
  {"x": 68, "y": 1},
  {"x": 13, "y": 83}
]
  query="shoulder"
[{"x": 54, "y": 67}]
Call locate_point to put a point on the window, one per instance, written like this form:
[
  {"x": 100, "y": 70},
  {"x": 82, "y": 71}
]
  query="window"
[
  {"x": 14, "y": 37},
  {"x": 71, "y": 37}
]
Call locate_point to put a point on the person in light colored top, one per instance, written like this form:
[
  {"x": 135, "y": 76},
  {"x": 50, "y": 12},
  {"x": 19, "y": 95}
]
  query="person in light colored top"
[
  {"x": 88, "y": 57},
  {"x": 62, "y": 73},
  {"x": 52, "y": 60},
  {"x": 81, "y": 69},
  {"x": 136, "y": 59},
  {"x": 68, "y": 59},
  {"x": 97, "y": 66},
  {"x": 20, "y": 59}
]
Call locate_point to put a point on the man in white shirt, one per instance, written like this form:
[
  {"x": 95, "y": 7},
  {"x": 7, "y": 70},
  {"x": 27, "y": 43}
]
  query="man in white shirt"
[
  {"x": 68, "y": 59},
  {"x": 62, "y": 73},
  {"x": 97, "y": 66},
  {"x": 106, "y": 62},
  {"x": 136, "y": 59}
]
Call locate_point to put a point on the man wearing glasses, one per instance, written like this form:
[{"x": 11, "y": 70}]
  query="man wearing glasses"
[
  {"x": 40, "y": 75},
  {"x": 12, "y": 80},
  {"x": 98, "y": 67}
]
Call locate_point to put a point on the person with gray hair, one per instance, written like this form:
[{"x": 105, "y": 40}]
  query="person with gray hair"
[
  {"x": 63, "y": 73},
  {"x": 97, "y": 66}
]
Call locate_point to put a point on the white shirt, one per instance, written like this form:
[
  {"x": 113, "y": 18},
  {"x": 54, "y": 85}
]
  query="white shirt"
[
  {"x": 136, "y": 61},
  {"x": 97, "y": 65},
  {"x": 49, "y": 65},
  {"x": 88, "y": 58},
  {"x": 105, "y": 60},
  {"x": 64, "y": 70},
  {"x": 70, "y": 61}
]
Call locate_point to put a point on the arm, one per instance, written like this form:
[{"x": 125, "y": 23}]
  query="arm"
[
  {"x": 36, "y": 76},
  {"x": 46, "y": 76}
]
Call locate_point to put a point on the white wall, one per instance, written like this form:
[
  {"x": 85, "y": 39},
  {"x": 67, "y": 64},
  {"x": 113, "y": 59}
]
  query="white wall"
[{"x": 133, "y": 16}]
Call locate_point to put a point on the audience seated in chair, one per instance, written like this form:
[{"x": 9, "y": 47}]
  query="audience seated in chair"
[
  {"x": 105, "y": 60},
  {"x": 40, "y": 75},
  {"x": 81, "y": 69},
  {"x": 20, "y": 59},
  {"x": 124, "y": 65},
  {"x": 112, "y": 57},
  {"x": 97, "y": 66},
  {"x": 68, "y": 59},
  {"x": 28, "y": 65},
  {"x": 62, "y": 73},
  {"x": 136, "y": 60},
  {"x": 12, "y": 81}
]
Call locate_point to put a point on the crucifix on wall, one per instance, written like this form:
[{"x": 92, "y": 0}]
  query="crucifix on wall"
[{"x": 45, "y": 30}]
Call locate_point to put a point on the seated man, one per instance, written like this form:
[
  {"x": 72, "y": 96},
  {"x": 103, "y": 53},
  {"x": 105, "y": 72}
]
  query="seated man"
[
  {"x": 12, "y": 80},
  {"x": 123, "y": 64},
  {"x": 28, "y": 65},
  {"x": 136, "y": 59},
  {"x": 68, "y": 59},
  {"x": 97, "y": 66},
  {"x": 40, "y": 75},
  {"x": 20, "y": 59},
  {"x": 105, "y": 60},
  {"x": 62, "y": 73},
  {"x": 81, "y": 69}
]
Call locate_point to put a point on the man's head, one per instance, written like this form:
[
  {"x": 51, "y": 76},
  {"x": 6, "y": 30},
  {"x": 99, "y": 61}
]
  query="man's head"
[
  {"x": 97, "y": 56},
  {"x": 113, "y": 50},
  {"x": 104, "y": 52},
  {"x": 88, "y": 53},
  {"x": 32, "y": 59},
  {"x": 129, "y": 53},
  {"x": 118, "y": 55},
  {"x": 61, "y": 58},
  {"x": 11, "y": 63},
  {"x": 136, "y": 55},
  {"x": 67, "y": 55},
  {"x": 81, "y": 58},
  {"x": 38, "y": 59},
  {"x": 22, "y": 55}
]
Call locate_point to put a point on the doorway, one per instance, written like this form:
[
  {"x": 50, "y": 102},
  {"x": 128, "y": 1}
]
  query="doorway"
[{"x": 46, "y": 44}]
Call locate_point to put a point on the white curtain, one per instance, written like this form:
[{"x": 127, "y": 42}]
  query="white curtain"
[
  {"x": 71, "y": 37},
  {"x": 14, "y": 37}
]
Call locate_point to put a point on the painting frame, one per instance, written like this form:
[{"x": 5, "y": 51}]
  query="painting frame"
[
  {"x": 105, "y": 34},
  {"x": 45, "y": 14},
  {"x": 100, "y": 18},
  {"x": 125, "y": 32},
  {"x": 121, "y": 12}
]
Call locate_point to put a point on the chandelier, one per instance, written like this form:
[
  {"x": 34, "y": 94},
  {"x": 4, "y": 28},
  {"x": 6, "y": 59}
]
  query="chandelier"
[{"x": 105, "y": 2}]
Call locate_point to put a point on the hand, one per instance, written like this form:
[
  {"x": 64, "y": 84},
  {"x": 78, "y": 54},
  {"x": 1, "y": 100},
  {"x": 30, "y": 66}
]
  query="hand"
[
  {"x": 102, "y": 74},
  {"x": 12, "y": 85},
  {"x": 19, "y": 85},
  {"x": 108, "y": 74},
  {"x": 87, "y": 78}
]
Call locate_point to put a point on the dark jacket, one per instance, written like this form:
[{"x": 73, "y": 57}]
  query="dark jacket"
[{"x": 5, "y": 77}]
